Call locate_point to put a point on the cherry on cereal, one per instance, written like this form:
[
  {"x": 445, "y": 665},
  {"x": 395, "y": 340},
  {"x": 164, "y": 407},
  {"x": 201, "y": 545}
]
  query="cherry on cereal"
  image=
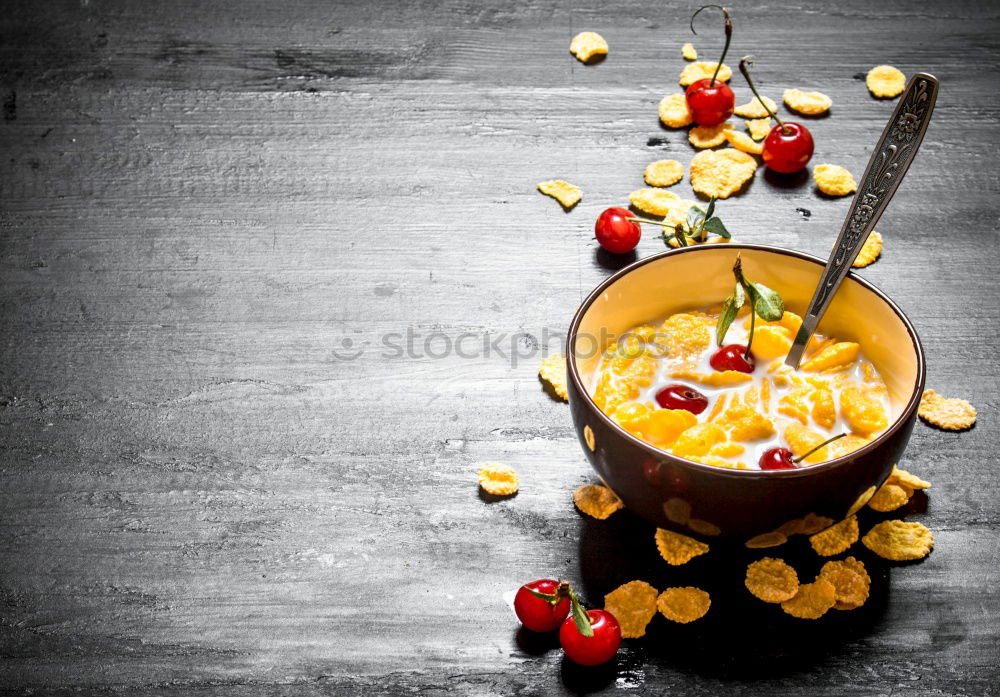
[
  {"x": 682, "y": 397},
  {"x": 733, "y": 357}
]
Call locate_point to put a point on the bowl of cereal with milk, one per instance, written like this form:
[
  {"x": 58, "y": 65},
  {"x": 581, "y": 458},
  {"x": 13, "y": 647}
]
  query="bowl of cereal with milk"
[{"x": 684, "y": 404}]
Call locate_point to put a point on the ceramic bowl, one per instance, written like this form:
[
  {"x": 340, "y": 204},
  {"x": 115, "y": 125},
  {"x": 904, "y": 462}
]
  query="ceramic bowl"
[{"x": 690, "y": 497}]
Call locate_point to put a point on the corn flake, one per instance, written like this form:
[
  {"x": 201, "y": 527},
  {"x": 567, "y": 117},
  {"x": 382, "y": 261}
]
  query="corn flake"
[
  {"x": 899, "y": 541},
  {"x": 721, "y": 173},
  {"x": 588, "y": 44},
  {"x": 678, "y": 549},
  {"x": 497, "y": 479},
  {"x": 755, "y": 110},
  {"x": 688, "y": 52},
  {"x": 633, "y": 605},
  {"x": 812, "y": 601},
  {"x": 597, "y": 501},
  {"x": 951, "y": 414},
  {"x": 809, "y": 103},
  {"x": 563, "y": 192},
  {"x": 744, "y": 143},
  {"x": 709, "y": 136},
  {"x": 906, "y": 479},
  {"x": 767, "y": 539},
  {"x": 698, "y": 440},
  {"x": 683, "y": 605},
  {"x": 885, "y": 81},
  {"x": 836, "y": 538},
  {"x": 889, "y": 497},
  {"x": 863, "y": 413},
  {"x": 834, "y": 180},
  {"x": 850, "y": 581},
  {"x": 553, "y": 371},
  {"x": 674, "y": 112},
  {"x": 657, "y": 202},
  {"x": 703, "y": 71},
  {"x": 837, "y": 355},
  {"x": 870, "y": 250},
  {"x": 663, "y": 173},
  {"x": 759, "y": 128},
  {"x": 772, "y": 580}
]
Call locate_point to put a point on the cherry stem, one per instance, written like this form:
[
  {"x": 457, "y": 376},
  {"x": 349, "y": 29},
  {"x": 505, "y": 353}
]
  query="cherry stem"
[
  {"x": 729, "y": 36},
  {"x": 738, "y": 272},
  {"x": 797, "y": 460},
  {"x": 744, "y": 62}
]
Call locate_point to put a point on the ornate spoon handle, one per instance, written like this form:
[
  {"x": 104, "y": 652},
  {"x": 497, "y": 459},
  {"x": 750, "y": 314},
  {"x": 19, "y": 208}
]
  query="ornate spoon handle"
[{"x": 890, "y": 160}]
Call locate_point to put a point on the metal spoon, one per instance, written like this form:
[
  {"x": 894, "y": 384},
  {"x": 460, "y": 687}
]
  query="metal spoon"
[{"x": 890, "y": 160}]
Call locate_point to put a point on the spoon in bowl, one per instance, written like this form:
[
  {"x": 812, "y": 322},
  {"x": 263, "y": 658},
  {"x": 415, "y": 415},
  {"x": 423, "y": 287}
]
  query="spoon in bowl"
[{"x": 890, "y": 160}]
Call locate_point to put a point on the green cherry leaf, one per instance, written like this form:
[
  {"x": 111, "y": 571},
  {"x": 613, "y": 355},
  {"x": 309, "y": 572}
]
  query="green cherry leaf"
[
  {"x": 730, "y": 308},
  {"x": 550, "y": 598},
  {"x": 695, "y": 216},
  {"x": 711, "y": 207},
  {"x": 582, "y": 620},
  {"x": 715, "y": 226},
  {"x": 767, "y": 303}
]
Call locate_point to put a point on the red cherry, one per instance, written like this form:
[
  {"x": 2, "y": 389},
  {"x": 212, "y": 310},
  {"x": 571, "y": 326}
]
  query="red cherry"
[
  {"x": 593, "y": 650},
  {"x": 710, "y": 103},
  {"x": 788, "y": 147},
  {"x": 536, "y": 614},
  {"x": 731, "y": 358},
  {"x": 682, "y": 397},
  {"x": 777, "y": 459},
  {"x": 615, "y": 232}
]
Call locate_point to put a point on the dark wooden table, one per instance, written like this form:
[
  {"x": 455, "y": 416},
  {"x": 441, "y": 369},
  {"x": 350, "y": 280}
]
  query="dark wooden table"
[{"x": 236, "y": 244}]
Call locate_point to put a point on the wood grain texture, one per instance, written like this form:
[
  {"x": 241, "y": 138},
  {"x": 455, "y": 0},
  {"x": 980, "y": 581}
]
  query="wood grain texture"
[{"x": 203, "y": 206}]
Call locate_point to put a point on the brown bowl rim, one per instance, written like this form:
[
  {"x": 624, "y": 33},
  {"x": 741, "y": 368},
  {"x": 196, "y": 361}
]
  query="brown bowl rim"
[{"x": 903, "y": 419}]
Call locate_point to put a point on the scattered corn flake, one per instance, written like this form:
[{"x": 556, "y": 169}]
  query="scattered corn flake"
[
  {"x": 683, "y": 605},
  {"x": 721, "y": 173},
  {"x": 678, "y": 549},
  {"x": 553, "y": 371},
  {"x": 703, "y": 527},
  {"x": 597, "y": 501},
  {"x": 951, "y": 414},
  {"x": 653, "y": 201},
  {"x": 744, "y": 143},
  {"x": 588, "y": 44},
  {"x": 870, "y": 250},
  {"x": 709, "y": 136},
  {"x": 889, "y": 497},
  {"x": 834, "y": 180},
  {"x": 663, "y": 173},
  {"x": 688, "y": 52},
  {"x": 674, "y": 112},
  {"x": 912, "y": 481},
  {"x": 563, "y": 192},
  {"x": 809, "y": 103},
  {"x": 759, "y": 128},
  {"x": 633, "y": 605},
  {"x": 850, "y": 580},
  {"x": 885, "y": 81},
  {"x": 755, "y": 110},
  {"x": 772, "y": 580},
  {"x": 835, "y": 539},
  {"x": 812, "y": 600},
  {"x": 864, "y": 498},
  {"x": 703, "y": 70},
  {"x": 767, "y": 539},
  {"x": 497, "y": 479},
  {"x": 899, "y": 541}
]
